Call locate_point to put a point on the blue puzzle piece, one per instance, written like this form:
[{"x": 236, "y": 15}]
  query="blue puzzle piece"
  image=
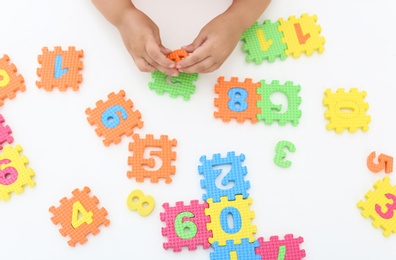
[{"x": 243, "y": 251}]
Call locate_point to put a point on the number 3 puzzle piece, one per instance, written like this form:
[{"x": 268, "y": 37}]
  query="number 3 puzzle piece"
[
  {"x": 114, "y": 118},
  {"x": 280, "y": 155}
]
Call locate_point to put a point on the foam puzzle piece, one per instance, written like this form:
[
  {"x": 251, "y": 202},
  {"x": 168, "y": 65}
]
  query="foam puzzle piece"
[
  {"x": 289, "y": 247},
  {"x": 10, "y": 81},
  {"x": 92, "y": 216},
  {"x": 346, "y": 110},
  {"x": 302, "y": 35},
  {"x": 114, "y": 118},
  {"x": 235, "y": 177},
  {"x": 177, "y": 55},
  {"x": 380, "y": 206},
  {"x": 144, "y": 204},
  {"x": 138, "y": 162},
  {"x": 181, "y": 85},
  {"x": 243, "y": 251},
  {"x": 5, "y": 133},
  {"x": 60, "y": 69},
  {"x": 263, "y": 42},
  {"x": 185, "y": 225},
  {"x": 270, "y": 112},
  {"x": 385, "y": 162},
  {"x": 14, "y": 173},
  {"x": 242, "y": 216},
  {"x": 280, "y": 154},
  {"x": 237, "y": 100}
]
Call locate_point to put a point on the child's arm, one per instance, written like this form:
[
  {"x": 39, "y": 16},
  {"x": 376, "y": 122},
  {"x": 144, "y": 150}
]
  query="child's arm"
[
  {"x": 139, "y": 33},
  {"x": 218, "y": 38}
]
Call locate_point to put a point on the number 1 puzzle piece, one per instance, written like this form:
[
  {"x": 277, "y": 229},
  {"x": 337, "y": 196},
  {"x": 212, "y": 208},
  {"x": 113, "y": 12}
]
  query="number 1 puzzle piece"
[
  {"x": 114, "y": 118},
  {"x": 237, "y": 100},
  {"x": 5, "y": 133},
  {"x": 10, "y": 81},
  {"x": 60, "y": 69},
  {"x": 79, "y": 216},
  {"x": 302, "y": 35},
  {"x": 384, "y": 162},
  {"x": 263, "y": 42},
  {"x": 287, "y": 248},
  {"x": 139, "y": 163}
]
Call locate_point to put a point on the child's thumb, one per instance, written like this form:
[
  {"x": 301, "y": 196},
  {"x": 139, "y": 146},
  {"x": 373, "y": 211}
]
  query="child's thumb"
[{"x": 195, "y": 44}]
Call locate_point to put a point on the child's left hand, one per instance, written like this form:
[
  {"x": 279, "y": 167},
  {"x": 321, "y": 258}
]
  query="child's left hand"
[{"x": 213, "y": 45}]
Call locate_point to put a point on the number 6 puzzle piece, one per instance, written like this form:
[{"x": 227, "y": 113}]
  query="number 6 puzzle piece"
[
  {"x": 79, "y": 216},
  {"x": 114, "y": 118},
  {"x": 138, "y": 162},
  {"x": 10, "y": 81}
]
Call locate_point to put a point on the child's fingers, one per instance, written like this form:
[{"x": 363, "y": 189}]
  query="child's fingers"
[
  {"x": 197, "y": 56},
  {"x": 154, "y": 52},
  {"x": 203, "y": 66}
]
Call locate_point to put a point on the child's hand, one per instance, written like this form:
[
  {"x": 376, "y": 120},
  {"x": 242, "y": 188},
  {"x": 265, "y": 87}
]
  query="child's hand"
[
  {"x": 213, "y": 45},
  {"x": 142, "y": 40}
]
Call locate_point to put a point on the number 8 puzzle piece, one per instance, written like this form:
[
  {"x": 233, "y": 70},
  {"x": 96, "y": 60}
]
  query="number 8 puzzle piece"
[{"x": 114, "y": 118}]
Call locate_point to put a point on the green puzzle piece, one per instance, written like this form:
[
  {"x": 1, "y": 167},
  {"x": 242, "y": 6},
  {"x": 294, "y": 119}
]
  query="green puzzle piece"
[
  {"x": 263, "y": 42},
  {"x": 181, "y": 85}
]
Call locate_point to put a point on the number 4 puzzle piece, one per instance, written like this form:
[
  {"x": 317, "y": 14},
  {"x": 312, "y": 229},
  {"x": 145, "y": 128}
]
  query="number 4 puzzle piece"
[
  {"x": 79, "y": 216},
  {"x": 10, "y": 81}
]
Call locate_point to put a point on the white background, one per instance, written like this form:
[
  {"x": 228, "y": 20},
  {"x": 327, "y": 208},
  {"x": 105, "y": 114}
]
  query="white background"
[{"x": 315, "y": 198}]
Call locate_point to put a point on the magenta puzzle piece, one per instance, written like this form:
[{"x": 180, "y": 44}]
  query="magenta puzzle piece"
[{"x": 5, "y": 133}]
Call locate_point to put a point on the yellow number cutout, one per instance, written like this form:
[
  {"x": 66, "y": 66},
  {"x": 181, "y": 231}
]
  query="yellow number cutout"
[
  {"x": 143, "y": 204},
  {"x": 80, "y": 215}
]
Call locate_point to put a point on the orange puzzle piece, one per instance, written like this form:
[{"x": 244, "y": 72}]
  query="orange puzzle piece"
[
  {"x": 177, "y": 55},
  {"x": 384, "y": 162},
  {"x": 114, "y": 118},
  {"x": 10, "y": 81},
  {"x": 137, "y": 160},
  {"x": 78, "y": 227},
  {"x": 60, "y": 69}
]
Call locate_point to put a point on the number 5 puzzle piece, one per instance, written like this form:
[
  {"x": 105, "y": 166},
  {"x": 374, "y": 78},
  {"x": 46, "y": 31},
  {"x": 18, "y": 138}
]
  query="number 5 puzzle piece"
[
  {"x": 384, "y": 162},
  {"x": 114, "y": 118},
  {"x": 10, "y": 81},
  {"x": 79, "y": 216}
]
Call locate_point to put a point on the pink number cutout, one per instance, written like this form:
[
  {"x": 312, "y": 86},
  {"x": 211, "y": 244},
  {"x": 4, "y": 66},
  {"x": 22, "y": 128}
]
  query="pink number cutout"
[
  {"x": 391, "y": 207},
  {"x": 9, "y": 174}
]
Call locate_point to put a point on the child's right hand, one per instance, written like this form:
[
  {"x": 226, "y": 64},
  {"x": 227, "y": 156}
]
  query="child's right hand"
[{"x": 142, "y": 40}]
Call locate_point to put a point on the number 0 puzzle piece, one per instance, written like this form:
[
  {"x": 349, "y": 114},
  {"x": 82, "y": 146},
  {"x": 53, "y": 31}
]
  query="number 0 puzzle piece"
[
  {"x": 114, "y": 118},
  {"x": 384, "y": 162},
  {"x": 10, "y": 81},
  {"x": 302, "y": 35},
  {"x": 14, "y": 174},
  {"x": 138, "y": 162},
  {"x": 346, "y": 110},
  {"x": 60, "y": 69},
  {"x": 5, "y": 133},
  {"x": 237, "y": 100},
  {"x": 79, "y": 216}
]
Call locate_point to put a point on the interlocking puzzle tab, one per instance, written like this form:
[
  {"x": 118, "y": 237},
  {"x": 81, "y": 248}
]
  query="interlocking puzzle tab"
[
  {"x": 346, "y": 110},
  {"x": 60, "y": 69},
  {"x": 380, "y": 206},
  {"x": 302, "y": 35},
  {"x": 114, "y": 118},
  {"x": 287, "y": 248},
  {"x": 280, "y": 154},
  {"x": 185, "y": 225},
  {"x": 79, "y": 216},
  {"x": 138, "y": 160},
  {"x": 263, "y": 42},
  {"x": 14, "y": 174},
  {"x": 385, "y": 162},
  {"x": 144, "y": 204},
  {"x": 243, "y": 251},
  {"x": 5, "y": 133},
  {"x": 270, "y": 112},
  {"x": 237, "y": 100},
  {"x": 10, "y": 81}
]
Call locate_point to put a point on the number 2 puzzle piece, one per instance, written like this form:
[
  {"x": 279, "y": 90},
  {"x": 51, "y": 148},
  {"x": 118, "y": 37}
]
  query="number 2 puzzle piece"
[
  {"x": 243, "y": 251},
  {"x": 237, "y": 100},
  {"x": 185, "y": 225},
  {"x": 79, "y": 216},
  {"x": 181, "y": 85},
  {"x": 10, "y": 81},
  {"x": 263, "y": 42},
  {"x": 114, "y": 118},
  {"x": 302, "y": 35},
  {"x": 5, "y": 133},
  {"x": 60, "y": 69},
  {"x": 284, "y": 249},
  {"x": 271, "y": 112},
  {"x": 380, "y": 206},
  {"x": 139, "y": 163},
  {"x": 346, "y": 110},
  {"x": 14, "y": 174}
]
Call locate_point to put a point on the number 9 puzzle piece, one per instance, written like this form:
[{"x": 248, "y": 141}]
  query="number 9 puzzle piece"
[
  {"x": 114, "y": 118},
  {"x": 10, "y": 81}
]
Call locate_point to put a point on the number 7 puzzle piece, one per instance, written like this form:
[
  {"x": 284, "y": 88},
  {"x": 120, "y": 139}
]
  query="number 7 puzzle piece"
[
  {"x": 114, "y": 118},
  {"x": 79, "y": 216},
  {"x": 10, "y": 81}
]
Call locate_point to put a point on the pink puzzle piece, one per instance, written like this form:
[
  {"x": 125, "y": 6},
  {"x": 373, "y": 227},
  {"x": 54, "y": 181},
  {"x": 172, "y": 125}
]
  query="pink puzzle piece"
[{"x": 5, "y": 133}]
